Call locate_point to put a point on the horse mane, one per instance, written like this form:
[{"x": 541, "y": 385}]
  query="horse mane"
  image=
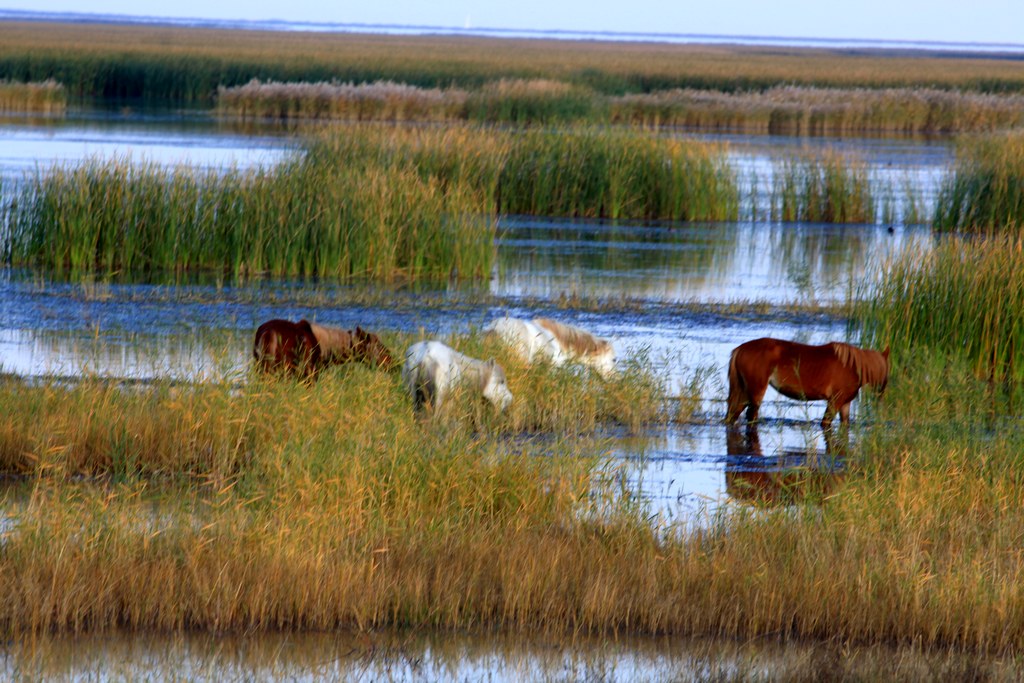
[
  {"x": 573, "y": 338},
  {"x": 870, "y": 365},
  {"x": 332, "y": 339}
]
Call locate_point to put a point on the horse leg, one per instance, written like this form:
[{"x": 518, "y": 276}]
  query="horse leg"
[
  {"x": 737, "y": 402},
  {"x": 755, "y": 397}
]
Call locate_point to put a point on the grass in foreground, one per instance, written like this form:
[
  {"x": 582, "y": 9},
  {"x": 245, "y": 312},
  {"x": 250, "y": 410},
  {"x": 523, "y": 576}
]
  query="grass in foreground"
[{"x": 333, "y": 506}]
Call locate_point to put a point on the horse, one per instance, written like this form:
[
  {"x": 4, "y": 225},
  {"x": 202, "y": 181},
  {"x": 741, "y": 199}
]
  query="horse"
[
  {"x": 432, "y": 370},
  {"x": 338, "y": 346},
  {"x": 544, "y": 339},
  {"x": 833, "y": 372},
  {"x": 287, "y": 346}
]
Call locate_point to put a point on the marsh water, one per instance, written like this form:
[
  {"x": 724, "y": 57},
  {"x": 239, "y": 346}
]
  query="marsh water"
[
  {"x": 680, "y": 295},
  {"x": 668, "y": 287}
]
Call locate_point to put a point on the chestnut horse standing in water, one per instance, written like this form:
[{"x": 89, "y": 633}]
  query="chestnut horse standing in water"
[
  {"x": 287, "y": 346},
  {"x": 832, "y": 372},
  {"x": 305, "y": 347}
]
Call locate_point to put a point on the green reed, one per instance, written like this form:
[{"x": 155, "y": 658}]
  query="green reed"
[
  {"x": 830, "y": 189},
  {"x": 961, "y": 301},
  {"x": 533, "y": 101},
  {"x": 374, "y": 216},
  {"x": 985, "y": 191},
  {"x": 605, "y": 173}
]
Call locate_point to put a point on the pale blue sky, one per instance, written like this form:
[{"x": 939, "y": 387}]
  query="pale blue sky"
[{"x": 992, "y": 21}]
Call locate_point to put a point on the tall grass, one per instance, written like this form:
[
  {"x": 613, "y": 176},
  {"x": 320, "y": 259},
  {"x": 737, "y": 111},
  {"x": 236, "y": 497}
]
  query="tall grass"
[
  {"x": 986, "y": 188},
  {"x": 188, "y": 65},
  {"x": 48, "y": 97},
  {"x": 373, "y": 216},
  {"x": 365, "y": 203},
  {"x": 829, "y": 189},
  {"x": 602, "y": 173},
  {"x": 792, "y": 110},
  {"x": 533, "y": 101},
  {"x": 282, "y": 506},
  {"x": 962, "y": 300},
  {"x": 379, "y": 101}
]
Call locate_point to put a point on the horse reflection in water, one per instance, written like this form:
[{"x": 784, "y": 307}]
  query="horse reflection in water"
[{"x": 790, "y": 476}]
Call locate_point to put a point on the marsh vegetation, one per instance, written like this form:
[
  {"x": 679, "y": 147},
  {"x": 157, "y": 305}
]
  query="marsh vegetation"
[{"x": 242, "y": 503}]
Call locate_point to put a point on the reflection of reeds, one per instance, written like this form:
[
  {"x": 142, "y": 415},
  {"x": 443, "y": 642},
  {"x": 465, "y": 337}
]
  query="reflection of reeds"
[
  {"x": 986, "y": 188},
  {"x": 961, "y": 301},
  {"x": 47, "y": 97}
]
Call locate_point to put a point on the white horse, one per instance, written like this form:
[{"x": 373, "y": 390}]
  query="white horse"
[
  {"x": 431, "y": 370},
  {"x": 543, "y": 339}
]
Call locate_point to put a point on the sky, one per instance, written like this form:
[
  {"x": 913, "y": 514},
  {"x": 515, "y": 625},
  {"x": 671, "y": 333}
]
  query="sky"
[{"x": 959, "y": 21}]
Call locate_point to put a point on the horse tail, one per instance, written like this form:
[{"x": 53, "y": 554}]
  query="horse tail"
[{"x": 735, "y": 379}]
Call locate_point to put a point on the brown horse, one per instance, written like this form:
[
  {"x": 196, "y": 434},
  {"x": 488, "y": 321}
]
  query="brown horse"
[
  {"x": 339, "y": 346},
  {"x": 832, "y": 372},
  {"x": 282, "y": 345}
]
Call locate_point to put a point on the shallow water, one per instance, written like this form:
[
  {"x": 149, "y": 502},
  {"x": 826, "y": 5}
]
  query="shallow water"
[
  {"x": 665, "y": 284},
  {"x": 378, "y": 656}
]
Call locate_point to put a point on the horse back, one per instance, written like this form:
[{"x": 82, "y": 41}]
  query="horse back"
[{"x": 796, "y": 370}]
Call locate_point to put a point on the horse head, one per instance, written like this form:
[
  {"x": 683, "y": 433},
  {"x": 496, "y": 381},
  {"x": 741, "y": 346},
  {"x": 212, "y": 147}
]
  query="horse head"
[
  {"x": 494, "y": 385},
  {"x": 369, "y": 348}
]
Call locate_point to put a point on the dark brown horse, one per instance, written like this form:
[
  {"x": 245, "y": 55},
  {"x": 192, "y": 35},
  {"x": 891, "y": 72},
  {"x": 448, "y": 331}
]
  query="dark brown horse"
[
  {"x": 339, "y": 346},
  {"x": 832, "y": 372},
  {"x": 284, "y": 346}
]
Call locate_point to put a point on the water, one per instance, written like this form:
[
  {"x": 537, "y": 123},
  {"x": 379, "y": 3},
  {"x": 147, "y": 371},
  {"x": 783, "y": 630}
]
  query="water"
[
  {"x": 669, "y": 288},
  {"x": 681, "y": 295},
  {"x": 420, "y": 656}
]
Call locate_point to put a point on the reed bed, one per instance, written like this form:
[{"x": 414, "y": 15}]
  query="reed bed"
[
  {"x": 534, "y": 101},
  {"x": 47, "y": 97},
  {"x": 189, "y": 64},
  {"x": 985, "y": 190},
  {"x": 379, "y": 101},
  {"x": 374, "y": 216},
  {"x": 827, "y": 189},
  {"x": 366, "y": 204},
  {"x": 961, "y": 302},
  {"x": 603, "y": 173},
  {"x": 780, "y": 110},
  {"x": 334, "y": 506},
  {"x": 793, "y": 110}
]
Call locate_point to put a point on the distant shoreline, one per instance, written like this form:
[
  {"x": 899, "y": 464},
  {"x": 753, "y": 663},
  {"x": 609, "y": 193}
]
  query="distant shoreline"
[{"x": 1014, "y": 50}]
